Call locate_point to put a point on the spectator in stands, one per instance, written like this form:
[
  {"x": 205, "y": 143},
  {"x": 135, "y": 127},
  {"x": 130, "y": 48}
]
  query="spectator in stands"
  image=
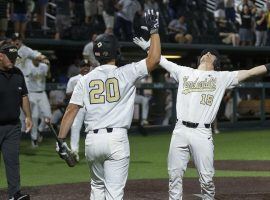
[
  {"x": 4, "y": 14},
  {"x": 178, "y": 31},
  {"x": 245, "y": 30},
  {"x": 125, "y": 17},
  {"x": 90, "y": 9},
  {"x": 42, "y": 7},
  {"x": 175, "y": 8},
  {"x": 88, "y": 52},
  {"x": 151, "y": 4},
  {"x": 21, "y": 14},
  {"x": 261, "y": 28},
  {"x": 219, "y": 13},
  {"x": 63, "y": 18},
  {"x": 108, "y": 15},
  {"x": 245, "y": 2},
  {"x": 229, "y": 10},
  {"x": 268, "y": 23},
  {"x": 227, "y": 31}
]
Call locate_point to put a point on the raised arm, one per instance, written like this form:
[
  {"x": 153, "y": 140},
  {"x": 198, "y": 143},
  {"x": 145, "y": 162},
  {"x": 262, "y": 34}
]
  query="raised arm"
[
  {"x": 253, "y": 72},
  {"x": 171, "y": 67},
  {"x": 151, "y": 20}
]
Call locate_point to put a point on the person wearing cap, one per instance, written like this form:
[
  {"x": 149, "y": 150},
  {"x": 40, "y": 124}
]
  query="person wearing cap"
[
  {"x": 13, "y": 96},
  {"x": 85, "y": 67},
  {"x": 200, "y": 92},
  {"x": 25, "y": 53},
  {"x": 39, "y": 101}
]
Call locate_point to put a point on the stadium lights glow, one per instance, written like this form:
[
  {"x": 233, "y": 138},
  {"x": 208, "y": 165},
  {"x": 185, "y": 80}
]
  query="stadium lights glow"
[{"x": 172, "y": 56}]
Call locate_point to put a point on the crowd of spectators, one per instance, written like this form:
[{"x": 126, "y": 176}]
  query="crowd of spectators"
[
  {"x": 236, "y": 22},
  {"x": 243, "y": 23},
  {"x": 77, "y": 19}
]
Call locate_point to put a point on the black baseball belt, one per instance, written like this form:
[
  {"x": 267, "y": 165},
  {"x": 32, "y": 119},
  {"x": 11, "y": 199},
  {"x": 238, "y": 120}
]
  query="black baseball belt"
[
  {"x": 109, "y": 130},
  {"x": 195, "y": 125}
]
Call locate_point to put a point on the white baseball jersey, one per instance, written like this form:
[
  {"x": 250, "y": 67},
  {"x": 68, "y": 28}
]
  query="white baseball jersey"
[
  {"x": 72, "y": 83},
  {"x": 108, "y": 94},
  {"x": 21, "y": 62},
  {"x": 199, "y": 92},
  {"x": 37, "y": 76},
  {"x": 88, "y": 52}
]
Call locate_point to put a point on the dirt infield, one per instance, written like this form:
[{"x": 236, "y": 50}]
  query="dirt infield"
[
  {"x": 226, "y": 189},
  {"x": 245, "y": 188}
]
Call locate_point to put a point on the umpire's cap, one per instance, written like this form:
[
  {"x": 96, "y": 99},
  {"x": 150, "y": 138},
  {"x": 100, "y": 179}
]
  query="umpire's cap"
[
  {"x": 10, "y": 51},
  {"x": 215, "y": 53},
  {"x": 106, "y": 48}
]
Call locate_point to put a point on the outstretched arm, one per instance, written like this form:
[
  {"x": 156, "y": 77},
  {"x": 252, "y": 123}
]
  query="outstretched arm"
[
  {"x": 164, "y": 63},
  {"x": 151, "y": 20},
  {"x": 253, "y": 72}
]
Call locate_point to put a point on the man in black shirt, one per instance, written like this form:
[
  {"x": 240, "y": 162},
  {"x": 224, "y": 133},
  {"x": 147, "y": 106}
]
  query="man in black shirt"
[{"x": 13, "y": 94}]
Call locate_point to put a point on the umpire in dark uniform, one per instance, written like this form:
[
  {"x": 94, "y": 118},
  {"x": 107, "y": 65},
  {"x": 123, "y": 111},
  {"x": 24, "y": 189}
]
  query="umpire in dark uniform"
[{"x": 13, "y": 94}]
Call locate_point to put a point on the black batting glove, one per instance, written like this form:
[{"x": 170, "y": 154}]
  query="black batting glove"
[
  {"x": 151, "y": 20},
  {"x": 62, "y": 148}
]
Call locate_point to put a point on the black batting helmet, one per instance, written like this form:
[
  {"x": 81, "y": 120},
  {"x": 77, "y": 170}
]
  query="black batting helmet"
[
  {"x": 213, "y": 52},
  {"x": 106, "y": 48}
]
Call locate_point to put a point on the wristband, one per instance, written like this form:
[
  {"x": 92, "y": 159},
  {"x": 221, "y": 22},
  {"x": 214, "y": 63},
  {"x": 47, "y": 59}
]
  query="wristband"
[
  {"x": 267, "y": 67},
  {"x": 62, "y": 140},
  {"x": 153, "y": 31}
]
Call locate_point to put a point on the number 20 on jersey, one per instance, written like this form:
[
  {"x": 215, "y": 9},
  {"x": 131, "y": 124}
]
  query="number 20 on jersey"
[{"x": 110, "y": 87}]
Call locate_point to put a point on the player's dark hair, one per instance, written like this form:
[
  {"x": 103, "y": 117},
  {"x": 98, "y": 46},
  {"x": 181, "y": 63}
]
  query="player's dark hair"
[{"x": 214, "y": 52}]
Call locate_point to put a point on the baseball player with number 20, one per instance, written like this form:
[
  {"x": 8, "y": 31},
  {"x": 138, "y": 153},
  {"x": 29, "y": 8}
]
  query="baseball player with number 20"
[
  {"x": 200, "y": 92},
  {"x": 108, "y": 93}
]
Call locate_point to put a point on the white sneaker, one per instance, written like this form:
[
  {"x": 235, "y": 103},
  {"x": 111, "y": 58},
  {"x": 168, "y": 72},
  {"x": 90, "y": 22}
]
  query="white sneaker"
[
  {"x": 34, "y": 143},
  {"x": 40, "y": 138},
  {"x": 144, "y": 122}
]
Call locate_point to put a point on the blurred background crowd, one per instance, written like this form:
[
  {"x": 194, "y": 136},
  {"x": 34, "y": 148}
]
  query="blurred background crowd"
[{"x": 235, "y": 22}]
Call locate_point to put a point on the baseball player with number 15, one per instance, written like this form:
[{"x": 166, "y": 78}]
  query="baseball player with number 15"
[
  {"x": 200, "y": 92},
  {"x": 108, "y": 93}
]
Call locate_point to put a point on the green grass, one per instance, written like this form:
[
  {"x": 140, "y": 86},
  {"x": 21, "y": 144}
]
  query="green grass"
[{"x": 42, "y": 166}]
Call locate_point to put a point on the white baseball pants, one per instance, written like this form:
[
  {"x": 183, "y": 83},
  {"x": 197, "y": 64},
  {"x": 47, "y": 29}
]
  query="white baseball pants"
[
  {"x": 76, "y": 129},
  {"x": 144, "y": 101},
  {"x": 108, "y": 157},
  {"x": 197, "y": 142},
  {"x": 40, "y": 107}
]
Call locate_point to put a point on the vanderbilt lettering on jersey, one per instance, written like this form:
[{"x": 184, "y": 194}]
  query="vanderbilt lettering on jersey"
[
  {"x": 111, "y": 88},
  {"x": 206, "y": 85}
]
